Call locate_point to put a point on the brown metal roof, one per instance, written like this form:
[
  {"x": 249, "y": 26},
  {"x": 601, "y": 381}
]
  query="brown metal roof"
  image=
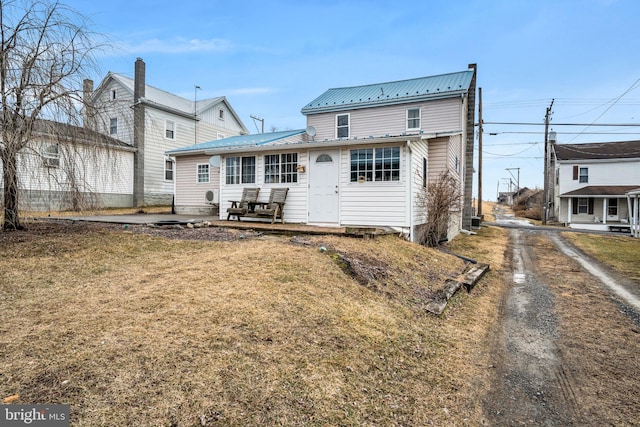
[
  {"x": 601, "y": 191},
  {"x": 599, "y": 151}
]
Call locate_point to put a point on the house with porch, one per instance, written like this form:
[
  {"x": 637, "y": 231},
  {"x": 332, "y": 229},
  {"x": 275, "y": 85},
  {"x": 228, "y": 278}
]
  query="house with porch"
[
  {"x": 364, "y": 159},
  {"x": 594, "y": 184}
]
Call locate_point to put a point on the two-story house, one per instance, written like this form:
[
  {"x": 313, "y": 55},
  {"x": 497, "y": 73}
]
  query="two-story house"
[
  {"x": 593, "y": 184},
  {"x": 365, "y": 158},
  {"x": 153, "y": 121}
]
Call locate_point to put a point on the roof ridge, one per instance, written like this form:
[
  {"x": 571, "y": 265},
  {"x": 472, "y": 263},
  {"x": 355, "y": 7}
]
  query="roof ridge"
[{"x": 401, "y": 80}]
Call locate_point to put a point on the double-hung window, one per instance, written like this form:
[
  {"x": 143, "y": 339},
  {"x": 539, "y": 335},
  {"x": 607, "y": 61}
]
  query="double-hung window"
[
  {"x": 168, "y": 169},
  {"x": 342, "y": 126},
  {"x": 375, "y": 164},
  {"x": 240, "y": 170},
  {"x": 203, "y": 173},
  {"x": 413, "y": 118},
  {"x": 280, "y": 168},
  {"x": 170, "y": 129},
  {"x": 113, "y": 126},
  {"x": 584, "y": 175}
]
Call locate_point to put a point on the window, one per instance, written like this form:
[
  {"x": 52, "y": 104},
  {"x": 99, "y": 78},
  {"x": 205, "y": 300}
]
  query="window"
[
  {"x": 324, "y": 158},
  {"x": 584, "y": 175},
  {"x": 342, "y": 126},
  {"x": 380, "y": 164},
  {"x": 424, "y": 173},
  {"x": 203, "y": 173},
  {"x": 114, "y": 94},
  {"x": 280, "y": 168},
  {"x": 240, "y": 170},
  {"x": 113, "y": 126},
  {"x": 170, "y": 129},
  {"x": 612, "y": 210},
  {"x": 51, "y": 156},
  {"x": 221, "y": 114},
  {"x": 457, "y": 164},
  {"x": 582, "y": 205},
  {"x": 168, "y": 169},
  {"x": 413, "y": 118}
]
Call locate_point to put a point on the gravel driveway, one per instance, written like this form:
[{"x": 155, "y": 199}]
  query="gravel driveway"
[{"x": 567, "y": 351}]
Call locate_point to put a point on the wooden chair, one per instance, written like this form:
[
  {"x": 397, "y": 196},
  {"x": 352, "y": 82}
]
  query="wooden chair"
[
  {"x": 274, "y": 208},
  {"x": 245, "y": 205}
]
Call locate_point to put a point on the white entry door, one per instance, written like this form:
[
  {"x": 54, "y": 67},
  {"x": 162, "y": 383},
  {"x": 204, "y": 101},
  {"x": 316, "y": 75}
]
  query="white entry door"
[{"x": 324, "y": 180}]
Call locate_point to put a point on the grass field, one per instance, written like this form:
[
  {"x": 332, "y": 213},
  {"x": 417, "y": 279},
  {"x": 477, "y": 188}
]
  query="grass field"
[{"x": 131, "y": 329}]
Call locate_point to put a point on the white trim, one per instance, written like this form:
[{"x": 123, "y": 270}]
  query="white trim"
[
  {"x": 173, "y": 129},
  {"x": 173, "y": 169},
  {"x": 419, "y": 118},
  {"x": 198, "y": 173},
  {"x": 348, "y": 125}
]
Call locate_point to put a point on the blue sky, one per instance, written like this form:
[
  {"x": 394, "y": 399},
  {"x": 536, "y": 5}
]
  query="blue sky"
[{"x": 270, "y": 58}]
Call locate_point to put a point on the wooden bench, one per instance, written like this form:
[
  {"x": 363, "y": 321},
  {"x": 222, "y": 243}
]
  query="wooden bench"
[{"x": 273, "y": 209}]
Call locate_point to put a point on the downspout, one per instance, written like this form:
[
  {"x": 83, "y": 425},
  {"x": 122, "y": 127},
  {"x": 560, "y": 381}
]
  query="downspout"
[{"x": 410, "y": 169}]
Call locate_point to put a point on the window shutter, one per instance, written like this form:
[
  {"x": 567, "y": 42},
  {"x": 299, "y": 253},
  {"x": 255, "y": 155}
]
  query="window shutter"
[
  {"x": 575, "y": 173},
  {"x": 590, "y": 205},
  {"x": 574, "y": 205}
]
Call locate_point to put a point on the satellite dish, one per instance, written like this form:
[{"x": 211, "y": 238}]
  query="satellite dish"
[
  {"x": 311, "y": 131},
  {"x": 214, "y": 161}
]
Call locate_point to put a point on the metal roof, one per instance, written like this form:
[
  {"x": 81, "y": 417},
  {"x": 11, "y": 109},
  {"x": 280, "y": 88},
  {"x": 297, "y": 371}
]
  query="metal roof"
[
  {"x": 239, "y": 141},
  {"x": 598, "y": 151},
  {"x": 403, "y": 91}
]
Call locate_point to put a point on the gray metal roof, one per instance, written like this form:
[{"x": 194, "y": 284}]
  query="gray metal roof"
[
  {"x": 403, "y": 91},
  {"x": 598, "y": 151},
  {"x": 240, "y": 141},
  {"x": 601, "y": 191}
]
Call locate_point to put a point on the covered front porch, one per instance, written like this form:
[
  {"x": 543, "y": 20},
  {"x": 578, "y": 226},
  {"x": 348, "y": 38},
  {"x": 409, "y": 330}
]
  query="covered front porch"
[{"x": 601, "y": 208}]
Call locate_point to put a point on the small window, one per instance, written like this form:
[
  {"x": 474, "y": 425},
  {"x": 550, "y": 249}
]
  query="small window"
[
  {"x": 324, "y": 158},
  {"x": 113, "y": 126},
  {"x": 170, "y": 129},
  {"x": 221, "y": 114},
  {"x": 114, "y": 94},
  {"x": 424, "y": 173},
  {"x": 457, "y": 164},
  {"x": 584, "y": 175},
  {"x": 280, "y": 168},
  {"x": 240, "y": 170},
  {"x": 342, "y": 126},
  {"x": 203, "y": 173},
  {"x": 413, "y": 118},
  {"x": 51, "y": 156},
  {"x": 168, "y": 169}
]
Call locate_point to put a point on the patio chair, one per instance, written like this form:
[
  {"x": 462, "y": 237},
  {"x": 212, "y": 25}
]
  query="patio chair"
[
  {"x": 245, "y": 205},
  {"x": 274, "y": 208}
]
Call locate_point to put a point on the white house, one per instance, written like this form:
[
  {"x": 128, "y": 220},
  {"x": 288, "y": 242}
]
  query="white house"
[
  {"x": 70, "y": 167},
  {"x": 594, "y": 183},
  {"x": 366, "y": 156},
  {"x": 153, "y": 122}
]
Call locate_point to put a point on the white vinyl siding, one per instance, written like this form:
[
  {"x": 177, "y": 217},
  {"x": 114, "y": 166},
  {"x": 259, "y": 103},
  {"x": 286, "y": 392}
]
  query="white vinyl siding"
[
  {"x": 188, "y": 193},
  {"x": 443, "y": 115}
]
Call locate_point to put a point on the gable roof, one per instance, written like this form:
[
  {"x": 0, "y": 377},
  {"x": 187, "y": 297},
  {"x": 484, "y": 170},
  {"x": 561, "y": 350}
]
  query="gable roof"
[
  {"x": 598, "y": 151},
  {"x": 240, "y": 141},
  {"x": 389, "y": 93},
  {"x": 601, "y": 190},
  {"x": 167, "y": 101}
]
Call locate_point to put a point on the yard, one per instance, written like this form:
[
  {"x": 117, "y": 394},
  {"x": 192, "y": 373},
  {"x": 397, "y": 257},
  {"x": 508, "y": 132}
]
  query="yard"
[{"x": 131, "y": 328}]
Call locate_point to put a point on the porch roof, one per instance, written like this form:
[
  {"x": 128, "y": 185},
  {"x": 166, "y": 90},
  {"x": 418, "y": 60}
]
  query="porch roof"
[{"x": 601, "y": 191}]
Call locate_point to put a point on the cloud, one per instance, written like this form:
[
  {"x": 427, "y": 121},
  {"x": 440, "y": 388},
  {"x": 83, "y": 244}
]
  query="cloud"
[
  {"x": 251, "y": 91},
  {"x": 180, "y": 45}
]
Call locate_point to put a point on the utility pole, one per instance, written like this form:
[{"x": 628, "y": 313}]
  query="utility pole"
[
  {"x": 545, "y": 208},
  {"x": 260, "y": 119},
  {"x": 517, "y": 180},
  {"x": 479, "y": 152}
]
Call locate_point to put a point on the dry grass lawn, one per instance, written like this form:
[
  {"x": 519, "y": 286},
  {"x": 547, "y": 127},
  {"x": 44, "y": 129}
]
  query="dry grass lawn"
[{"x": 131, "y": 329}]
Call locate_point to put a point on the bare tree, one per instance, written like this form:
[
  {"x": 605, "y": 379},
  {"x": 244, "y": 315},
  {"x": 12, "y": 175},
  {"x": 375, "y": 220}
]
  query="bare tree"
[
  {"x": 47, "y": 50},
  {"x": 441, "y": 200}
]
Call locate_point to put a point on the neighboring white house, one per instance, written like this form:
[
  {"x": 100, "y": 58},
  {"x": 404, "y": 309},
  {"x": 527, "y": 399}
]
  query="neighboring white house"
[
  {"x": 70, "y": 167},
  {"x": 594, "y": 184},
  {"x": 154, "y": 121},
  {"x": 366, "y": 156}
]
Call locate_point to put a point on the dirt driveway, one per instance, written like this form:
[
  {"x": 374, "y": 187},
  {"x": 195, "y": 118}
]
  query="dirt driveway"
[{"x": 568, "y": 349}]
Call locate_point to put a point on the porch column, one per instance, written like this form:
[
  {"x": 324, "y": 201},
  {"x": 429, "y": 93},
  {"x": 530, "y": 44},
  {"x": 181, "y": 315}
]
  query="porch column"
[
  {"x": 569, "y": 209},
  {"x": 605, "y": 202}
]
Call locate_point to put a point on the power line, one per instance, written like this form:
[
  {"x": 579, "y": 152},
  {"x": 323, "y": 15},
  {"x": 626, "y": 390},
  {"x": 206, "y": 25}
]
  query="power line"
[{"x": 563, "y": 124}]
